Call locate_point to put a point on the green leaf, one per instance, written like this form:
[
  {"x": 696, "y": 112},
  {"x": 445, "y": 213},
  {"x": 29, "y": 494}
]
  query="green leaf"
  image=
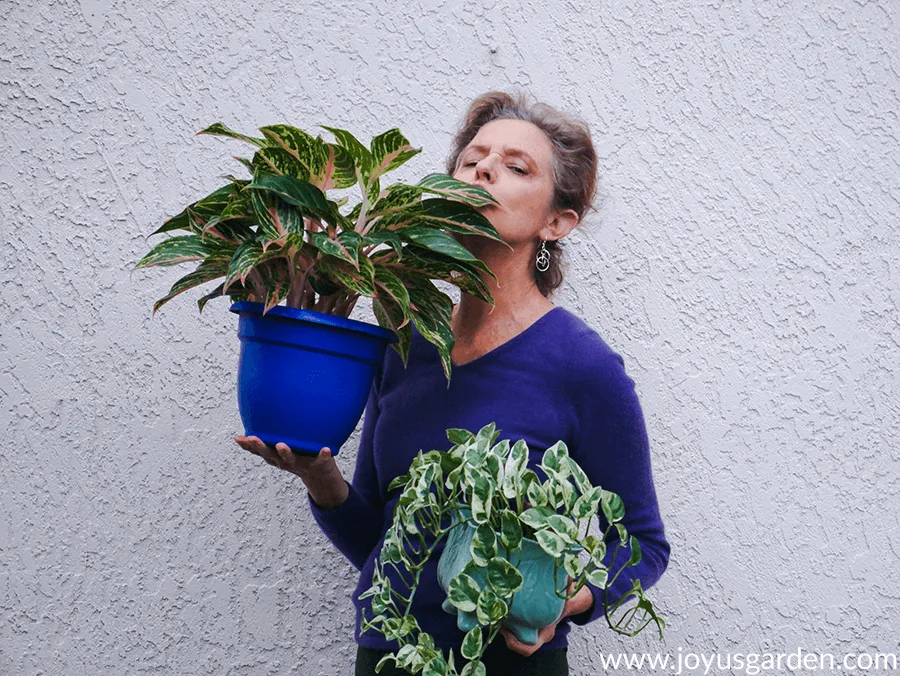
[
  {"x": 398, "y": 482},
  {"x": 306, "y": 196},
  {"x": 391, "y": 285},
  {"x": 504, "y": 579},
  {"x": 276, "y": 161},
  {"x": 440, "y": 242},
  {"x": 180, "y": 249},
  {"x": 613, "y": 508},
  {"x": 310, "y": 152},
  {"x": 581, "y": 479},
  {"x": 564, "y": 527},
  {"x": 471, "y": 645},
  {"x": 573, "y": 565},
  {"x": 454, "y": 189},
  {"x": 482, "y": 497},
  {"x": 235, "y": 294},
  {"x": 207, "y": 271},
  {"x": 490, "y": 608},
  {"x": 635, "y": 557},
  {"x": 339, "y": 171},
  {"x": 390, "y": 657},
  {"x": 436, "y": 667},
  {"x": 537, "y": 495},
  {"x": 598, "y": 577},
  {"x": 389, "y": 151},
  {"x": 388, "y": 237},
  {"x": 276, "y": 218},
  {"x": 456, "y": 435},
  {"x": 536, "y": 517},
  {"x": 550, "y": 542},
  {"x": 219, "y": 129},
  {"x": 397, "y": 198},
  {"x": 484, "y": 545},
  {"x": 475, "y": 668},
  {"x": 337, "y": 248},
  {"x": 587, "y": 504},
  {"x": 553, "y": 458},
  {"x": 463, "y": 593},
  {"x": 510, "y": 530},
  {"x": 393, "y": 317},
  {"x": 596, "y": 547},
  {"x": 362, "y": 157}
]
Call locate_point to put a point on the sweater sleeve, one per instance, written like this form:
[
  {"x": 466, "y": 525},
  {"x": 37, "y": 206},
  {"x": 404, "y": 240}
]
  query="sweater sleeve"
[
  {"x": 611, "y": 446},
  {"x": 356, "y": 525}
]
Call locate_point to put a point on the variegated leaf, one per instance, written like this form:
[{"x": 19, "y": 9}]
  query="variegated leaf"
[
  {"x": 392, "y": 317},
  {"x": 362, "y": 157},
  {"x": 456, "y": 217},
  {"x": 398, "y": 197},
  {"x": 359, "y": 281},
  {"x": 390, "y": 284},
  {"x": 179, "y": 249},
  {"x": 336, "y": 248},
  {"x": 384, "y": 237},
  {"x": 276, "y": 161},
  {"x": 439, "y": 266},
  {"x": 235, "y": 293},
  {"x": 440, "y": 242},
  {"x": 219, "y": 129},
  {"x": 339, "y": 171},
  {"x": 206, "y": 207},
  {"x": 306, "y": 149},
  {"x": 452, "y": 188},
  {"x": 276, "y": 217},
  {"x": 390, "y": 150},
  {"x": 207, "y": 271}
]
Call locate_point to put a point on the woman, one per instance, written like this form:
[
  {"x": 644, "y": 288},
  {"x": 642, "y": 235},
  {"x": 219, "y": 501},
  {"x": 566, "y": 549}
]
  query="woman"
[{"x": 536, "y": 370}]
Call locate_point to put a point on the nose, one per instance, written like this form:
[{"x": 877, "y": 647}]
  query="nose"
[{"x": 483, "y": 168}]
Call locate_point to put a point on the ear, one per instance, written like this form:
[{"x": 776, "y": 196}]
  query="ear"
[{"x": 562, "y": 224}]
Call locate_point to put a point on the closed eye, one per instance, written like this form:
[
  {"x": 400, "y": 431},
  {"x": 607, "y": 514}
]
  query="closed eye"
[{"x": 514, "y": 167}]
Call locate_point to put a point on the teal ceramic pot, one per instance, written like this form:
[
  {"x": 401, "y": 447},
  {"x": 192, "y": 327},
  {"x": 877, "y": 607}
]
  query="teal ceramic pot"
[{"x": 534, "y": 606}]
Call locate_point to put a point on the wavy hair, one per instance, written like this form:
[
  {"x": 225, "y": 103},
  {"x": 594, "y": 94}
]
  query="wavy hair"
[{"x": 573, "y": 161}]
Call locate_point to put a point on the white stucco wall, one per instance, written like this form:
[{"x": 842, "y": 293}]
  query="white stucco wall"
[{"x": 744, "y": 260}]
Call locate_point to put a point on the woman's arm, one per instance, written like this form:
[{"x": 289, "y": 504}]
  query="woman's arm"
[{"x": 612, "y": 447}]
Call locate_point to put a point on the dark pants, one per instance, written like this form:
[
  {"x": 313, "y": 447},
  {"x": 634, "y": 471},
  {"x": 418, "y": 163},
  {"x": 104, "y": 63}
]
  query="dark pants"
[{"x": 499, "y": 660}]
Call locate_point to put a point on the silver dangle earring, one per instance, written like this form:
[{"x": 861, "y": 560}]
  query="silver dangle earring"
[{"x": 543, "y": 258}]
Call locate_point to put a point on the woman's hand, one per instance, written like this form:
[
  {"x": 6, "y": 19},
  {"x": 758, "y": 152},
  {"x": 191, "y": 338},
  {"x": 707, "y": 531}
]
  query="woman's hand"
[
  {"x": 575, "y": 605},
  {"x": 320, "y": 473}
]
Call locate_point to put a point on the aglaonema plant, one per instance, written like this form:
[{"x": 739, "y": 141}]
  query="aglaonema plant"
[
  {"x": 490, "y": 486},
  {"x": 278, "y": 237}
]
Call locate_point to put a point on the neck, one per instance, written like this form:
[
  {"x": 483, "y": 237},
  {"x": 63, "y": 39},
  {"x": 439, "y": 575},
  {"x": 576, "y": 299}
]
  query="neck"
[{"x": 516, "y": 299}]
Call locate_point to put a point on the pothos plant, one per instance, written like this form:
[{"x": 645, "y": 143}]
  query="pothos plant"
[
  {"x": 490, "y": 485},
  {"x": 279, "y": 237}
]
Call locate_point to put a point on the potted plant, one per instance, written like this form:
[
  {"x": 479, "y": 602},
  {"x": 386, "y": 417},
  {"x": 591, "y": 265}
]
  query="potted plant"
[
  {"x": 278, "y": 237},
  {"x": 513, "y": 542}
]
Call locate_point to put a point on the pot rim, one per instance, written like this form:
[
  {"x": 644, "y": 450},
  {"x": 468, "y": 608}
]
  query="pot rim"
[{"x": 315, "y": 317}]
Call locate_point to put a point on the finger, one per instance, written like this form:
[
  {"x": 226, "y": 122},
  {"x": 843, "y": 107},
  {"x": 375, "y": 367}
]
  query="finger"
[
  {"x": 266, "y": 451},
  {"x": 242, "y": 442},
  {"x": 515, "y": 644},
  {"x": 285, "y": 453}
]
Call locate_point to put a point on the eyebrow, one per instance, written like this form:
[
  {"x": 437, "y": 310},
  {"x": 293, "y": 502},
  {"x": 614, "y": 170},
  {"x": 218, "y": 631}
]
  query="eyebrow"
[{"x": 515, "y": 152}]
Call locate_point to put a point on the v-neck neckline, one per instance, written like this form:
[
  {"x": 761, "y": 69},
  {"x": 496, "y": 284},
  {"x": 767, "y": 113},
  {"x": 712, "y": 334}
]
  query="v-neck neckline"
[{"x": 507, "y": 344}]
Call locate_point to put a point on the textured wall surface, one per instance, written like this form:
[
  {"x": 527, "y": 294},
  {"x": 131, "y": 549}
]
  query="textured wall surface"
[{"x": 744, "y": 260}]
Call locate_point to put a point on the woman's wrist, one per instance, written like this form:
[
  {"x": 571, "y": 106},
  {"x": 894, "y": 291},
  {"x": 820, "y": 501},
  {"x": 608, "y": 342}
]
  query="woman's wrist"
[
  {"x": 581, "y": 603},
  {"x": 329, "y": 496}
]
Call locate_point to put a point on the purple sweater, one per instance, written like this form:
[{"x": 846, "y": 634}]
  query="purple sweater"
[{"x": 555, "y": 380}]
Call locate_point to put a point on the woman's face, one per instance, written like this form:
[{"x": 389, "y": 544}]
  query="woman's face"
[{"x": 511, "y": 160}]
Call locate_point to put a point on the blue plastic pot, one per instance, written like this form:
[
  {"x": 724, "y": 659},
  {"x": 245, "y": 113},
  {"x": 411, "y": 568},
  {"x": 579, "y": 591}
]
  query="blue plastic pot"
[
  {"x": 533, "y": 607},
  {"x": 304, "y": 377}
]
